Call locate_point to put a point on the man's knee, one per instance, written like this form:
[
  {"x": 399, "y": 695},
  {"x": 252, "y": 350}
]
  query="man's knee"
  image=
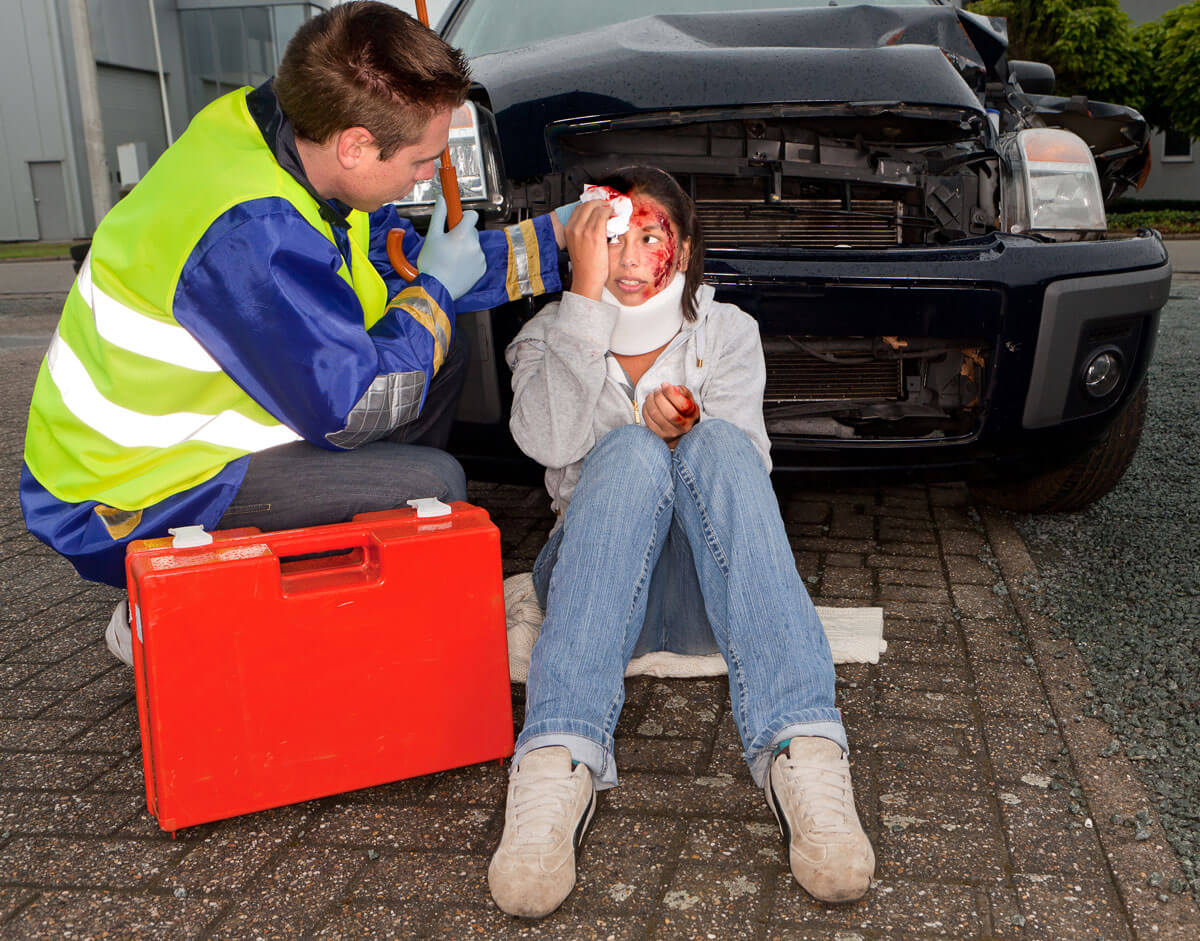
[
  {"x": 446, "y": 469},
  {"x": 413, "y": 471}
]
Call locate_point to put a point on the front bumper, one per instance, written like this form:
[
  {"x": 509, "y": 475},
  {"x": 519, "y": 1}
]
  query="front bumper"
[{"x": 1040, "y": 307}]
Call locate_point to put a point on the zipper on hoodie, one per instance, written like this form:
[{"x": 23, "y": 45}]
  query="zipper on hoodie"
[{"x": 631, "y": 392}]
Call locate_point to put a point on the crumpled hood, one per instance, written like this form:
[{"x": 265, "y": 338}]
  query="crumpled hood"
[{"x": 916, "y": 55}]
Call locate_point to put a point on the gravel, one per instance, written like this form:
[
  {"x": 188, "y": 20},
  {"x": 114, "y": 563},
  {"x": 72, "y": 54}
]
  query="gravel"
[{"x": 1123, "y": 579}]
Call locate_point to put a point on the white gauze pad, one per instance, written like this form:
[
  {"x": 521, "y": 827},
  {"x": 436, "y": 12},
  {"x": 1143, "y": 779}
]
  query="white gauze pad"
[{"x": 622, "y": 207}]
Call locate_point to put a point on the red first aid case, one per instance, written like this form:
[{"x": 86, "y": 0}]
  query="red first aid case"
[{"x": 278, "y": 667}]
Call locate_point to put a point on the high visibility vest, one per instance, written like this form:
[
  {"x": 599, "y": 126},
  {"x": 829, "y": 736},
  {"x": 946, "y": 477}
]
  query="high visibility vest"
[{"x": 128, "y": 408}]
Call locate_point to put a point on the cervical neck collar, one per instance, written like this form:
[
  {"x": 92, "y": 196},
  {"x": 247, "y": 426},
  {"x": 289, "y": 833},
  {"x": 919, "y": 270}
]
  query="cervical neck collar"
[{"x": 647, "y": 326}]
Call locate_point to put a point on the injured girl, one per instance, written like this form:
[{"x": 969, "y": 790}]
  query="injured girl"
[{"x": 642, "y": 397}]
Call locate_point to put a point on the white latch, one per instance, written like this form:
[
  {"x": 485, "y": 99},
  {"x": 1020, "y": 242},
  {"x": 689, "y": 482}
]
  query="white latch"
[
  {"x": 430, "y": 506},
  {"x": 186, "y": 536}
]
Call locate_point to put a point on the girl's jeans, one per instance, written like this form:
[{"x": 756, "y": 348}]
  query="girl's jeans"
[{"x": 679, "y": 550}]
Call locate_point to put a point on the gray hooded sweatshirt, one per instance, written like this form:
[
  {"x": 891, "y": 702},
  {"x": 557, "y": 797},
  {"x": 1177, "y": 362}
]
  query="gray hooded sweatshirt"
[{"x": 568, "y": 391}]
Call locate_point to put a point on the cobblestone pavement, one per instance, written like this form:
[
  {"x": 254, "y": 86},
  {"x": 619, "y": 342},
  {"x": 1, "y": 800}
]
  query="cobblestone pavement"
[{"x": 996, "y": 807}]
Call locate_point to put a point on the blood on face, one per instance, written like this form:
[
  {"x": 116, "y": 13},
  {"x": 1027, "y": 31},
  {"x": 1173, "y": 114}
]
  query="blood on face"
[{"x": 648, "y": 212}]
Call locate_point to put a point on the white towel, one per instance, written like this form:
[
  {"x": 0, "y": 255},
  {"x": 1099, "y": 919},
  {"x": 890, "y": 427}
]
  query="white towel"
[
  {"x": 855, "y": 636},
  {"x": 622, "y": 207}
]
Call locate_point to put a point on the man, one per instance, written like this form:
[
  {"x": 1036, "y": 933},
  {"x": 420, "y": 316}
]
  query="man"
[{"x": 236, "y": 350}]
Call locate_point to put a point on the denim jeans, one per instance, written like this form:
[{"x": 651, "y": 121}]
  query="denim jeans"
[
  {"x": 597, "y": 575},
  {"x": 300, "y": 484}
]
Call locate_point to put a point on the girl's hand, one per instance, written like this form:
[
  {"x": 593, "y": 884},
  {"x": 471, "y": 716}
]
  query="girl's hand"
[
  {"x": 587, "y": 244},
  {"x": 670, "y": 412}
]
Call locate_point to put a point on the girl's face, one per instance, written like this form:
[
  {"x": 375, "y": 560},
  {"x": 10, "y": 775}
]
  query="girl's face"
[{"x": 644, "y": 260}]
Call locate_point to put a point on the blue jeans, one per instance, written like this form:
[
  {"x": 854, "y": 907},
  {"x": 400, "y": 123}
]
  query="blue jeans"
[{"x": 610, "y": 588}]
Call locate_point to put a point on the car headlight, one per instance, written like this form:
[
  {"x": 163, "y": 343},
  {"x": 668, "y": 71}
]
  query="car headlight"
[
  {"x": 475, "y": 151},
  {"x": 1054, "y": 189}
]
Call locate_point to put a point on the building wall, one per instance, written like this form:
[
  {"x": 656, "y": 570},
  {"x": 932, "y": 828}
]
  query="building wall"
[
  {"x": 34, "y": 128},
  {"x": 41, "y": 141}
]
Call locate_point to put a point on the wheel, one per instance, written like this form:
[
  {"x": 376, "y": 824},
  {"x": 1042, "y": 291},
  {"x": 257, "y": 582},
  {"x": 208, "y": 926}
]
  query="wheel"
[{"x": 1086, "y": 479}]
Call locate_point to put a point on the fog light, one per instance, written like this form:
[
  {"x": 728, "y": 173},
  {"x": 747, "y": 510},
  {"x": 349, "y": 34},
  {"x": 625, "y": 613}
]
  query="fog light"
[{"x": 1102, "y": 374}]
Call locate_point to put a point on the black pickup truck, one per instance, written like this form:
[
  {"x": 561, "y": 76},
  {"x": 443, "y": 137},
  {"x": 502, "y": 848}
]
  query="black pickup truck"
[{"x": 915, "y": 221}]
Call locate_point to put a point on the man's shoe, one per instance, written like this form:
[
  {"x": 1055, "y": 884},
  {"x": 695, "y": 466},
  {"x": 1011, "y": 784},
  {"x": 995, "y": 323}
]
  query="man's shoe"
[
  {"x": 118, "y": 635},
  {"x": 809, "y": 791},
  {"x": 550, "y": 805}
]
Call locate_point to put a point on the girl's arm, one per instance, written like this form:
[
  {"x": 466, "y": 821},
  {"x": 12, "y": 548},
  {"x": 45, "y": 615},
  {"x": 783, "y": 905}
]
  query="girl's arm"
[
  {"x": 558, "y": 363},
  {"x": 733, "y": 389},
  {"x": 559, "y": 372}
]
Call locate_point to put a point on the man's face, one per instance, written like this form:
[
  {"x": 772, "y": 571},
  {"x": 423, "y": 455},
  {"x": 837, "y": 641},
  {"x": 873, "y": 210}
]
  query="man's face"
[{"x": 376, "y": 182}]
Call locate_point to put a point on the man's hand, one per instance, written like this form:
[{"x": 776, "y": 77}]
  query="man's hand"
[
  {"x": 559, "y": 219},
  {"x": 670, "y": 412},
  {"x": 453, "y": 257},
  {"x": 587, "y": 244}
]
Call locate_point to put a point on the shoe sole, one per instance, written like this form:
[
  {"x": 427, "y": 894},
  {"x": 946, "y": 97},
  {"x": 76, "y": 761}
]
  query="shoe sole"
[{"x": 584, "y": 822}]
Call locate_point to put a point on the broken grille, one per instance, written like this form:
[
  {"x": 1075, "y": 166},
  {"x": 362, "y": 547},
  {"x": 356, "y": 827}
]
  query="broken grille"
[
  {"x": 797, "y": 376},
  {"x": 801, "y": 223}
]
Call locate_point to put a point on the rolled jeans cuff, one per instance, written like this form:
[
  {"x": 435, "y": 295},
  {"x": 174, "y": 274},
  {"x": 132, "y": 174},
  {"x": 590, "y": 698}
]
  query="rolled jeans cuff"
[
  {"x": 759, "y": 760},
  {"x": 599, "y": 759}
]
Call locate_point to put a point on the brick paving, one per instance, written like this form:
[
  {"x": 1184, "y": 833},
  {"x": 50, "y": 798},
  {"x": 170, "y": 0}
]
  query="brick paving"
[{"x": 994, "y": 806}]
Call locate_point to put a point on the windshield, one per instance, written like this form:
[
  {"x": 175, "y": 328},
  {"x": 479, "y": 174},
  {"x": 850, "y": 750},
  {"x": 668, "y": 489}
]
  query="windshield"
[{"x": 483, "y": 26}]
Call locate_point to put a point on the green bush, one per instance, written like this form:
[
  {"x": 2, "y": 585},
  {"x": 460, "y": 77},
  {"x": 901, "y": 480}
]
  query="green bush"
[
  {"x": 1167, "y": 221},
  {"x": 1090, "y": 44},
  {"x": 1172, "y": 43}
]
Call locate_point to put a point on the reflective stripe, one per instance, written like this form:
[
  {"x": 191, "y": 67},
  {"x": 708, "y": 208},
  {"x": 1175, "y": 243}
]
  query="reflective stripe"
[
  {"x": 422, "y": 308},
  {"x": 389, "y": 402},
  {"x": 124, "y": 327},
  {"x": 533, "y": 253},
  {"x": 132, "y": 429},
  {"x": 524, "y": 261},
  {"x": 518, "y": 263}
]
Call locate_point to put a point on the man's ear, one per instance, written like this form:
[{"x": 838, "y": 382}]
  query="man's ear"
[{"x": 353, "y": 145}]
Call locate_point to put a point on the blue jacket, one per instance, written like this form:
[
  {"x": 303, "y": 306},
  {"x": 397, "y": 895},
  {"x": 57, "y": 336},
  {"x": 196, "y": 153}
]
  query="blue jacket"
[{"x": 297, "y": 344}]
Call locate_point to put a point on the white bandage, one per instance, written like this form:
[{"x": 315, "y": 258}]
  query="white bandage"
[{"x": 622, "y": 207}]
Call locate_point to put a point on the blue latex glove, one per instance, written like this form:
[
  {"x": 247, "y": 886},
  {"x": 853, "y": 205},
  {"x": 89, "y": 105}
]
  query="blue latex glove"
[
  {"x": 564, "y": 212},
  {"x": 453, "y": 257}
]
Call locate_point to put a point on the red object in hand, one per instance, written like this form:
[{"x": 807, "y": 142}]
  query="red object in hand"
[{"x": 689, "y": 408}]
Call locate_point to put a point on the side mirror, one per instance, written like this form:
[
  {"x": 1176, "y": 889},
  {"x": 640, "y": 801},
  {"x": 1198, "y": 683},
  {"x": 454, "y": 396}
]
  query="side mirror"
[{"x": 1037, "y": 78}]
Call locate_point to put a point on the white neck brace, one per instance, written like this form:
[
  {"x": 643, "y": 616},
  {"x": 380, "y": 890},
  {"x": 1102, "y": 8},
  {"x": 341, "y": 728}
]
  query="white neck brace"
[{"x": 649, "y": 325}]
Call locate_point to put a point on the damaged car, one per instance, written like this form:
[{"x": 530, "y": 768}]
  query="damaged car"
[{"x": 916, "y": 222}]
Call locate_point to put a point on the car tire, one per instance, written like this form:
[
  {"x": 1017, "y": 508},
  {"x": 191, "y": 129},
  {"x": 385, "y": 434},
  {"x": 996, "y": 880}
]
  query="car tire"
[{"x": 1086, "y": 479}]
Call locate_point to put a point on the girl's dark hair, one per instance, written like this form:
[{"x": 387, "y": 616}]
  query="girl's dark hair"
[{"x": 660, "y": 185}]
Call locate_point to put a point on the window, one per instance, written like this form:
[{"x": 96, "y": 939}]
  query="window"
[
  {"x": 228, "y": 47},
  {"x": 1177, "y": 147}
]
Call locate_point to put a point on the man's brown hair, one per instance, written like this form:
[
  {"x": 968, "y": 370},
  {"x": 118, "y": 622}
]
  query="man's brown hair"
[{"x": 367, "y": 64}]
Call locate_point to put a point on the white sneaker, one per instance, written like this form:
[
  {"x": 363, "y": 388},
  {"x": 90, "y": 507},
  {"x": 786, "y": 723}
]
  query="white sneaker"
[
  {"x": 550, "y": 805},
  {"x": 809, "y": 791},
  {"x": 118, "y": 635}
]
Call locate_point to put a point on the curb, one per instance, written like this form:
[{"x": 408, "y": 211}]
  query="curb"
[{"x": 1111, "y": 785}]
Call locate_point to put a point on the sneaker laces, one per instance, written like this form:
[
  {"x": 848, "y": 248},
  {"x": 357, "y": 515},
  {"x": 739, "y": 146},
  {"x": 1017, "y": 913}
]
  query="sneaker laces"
[
  {"x": 539, "y": 809},
  {"x": 820, "y": 793}
]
